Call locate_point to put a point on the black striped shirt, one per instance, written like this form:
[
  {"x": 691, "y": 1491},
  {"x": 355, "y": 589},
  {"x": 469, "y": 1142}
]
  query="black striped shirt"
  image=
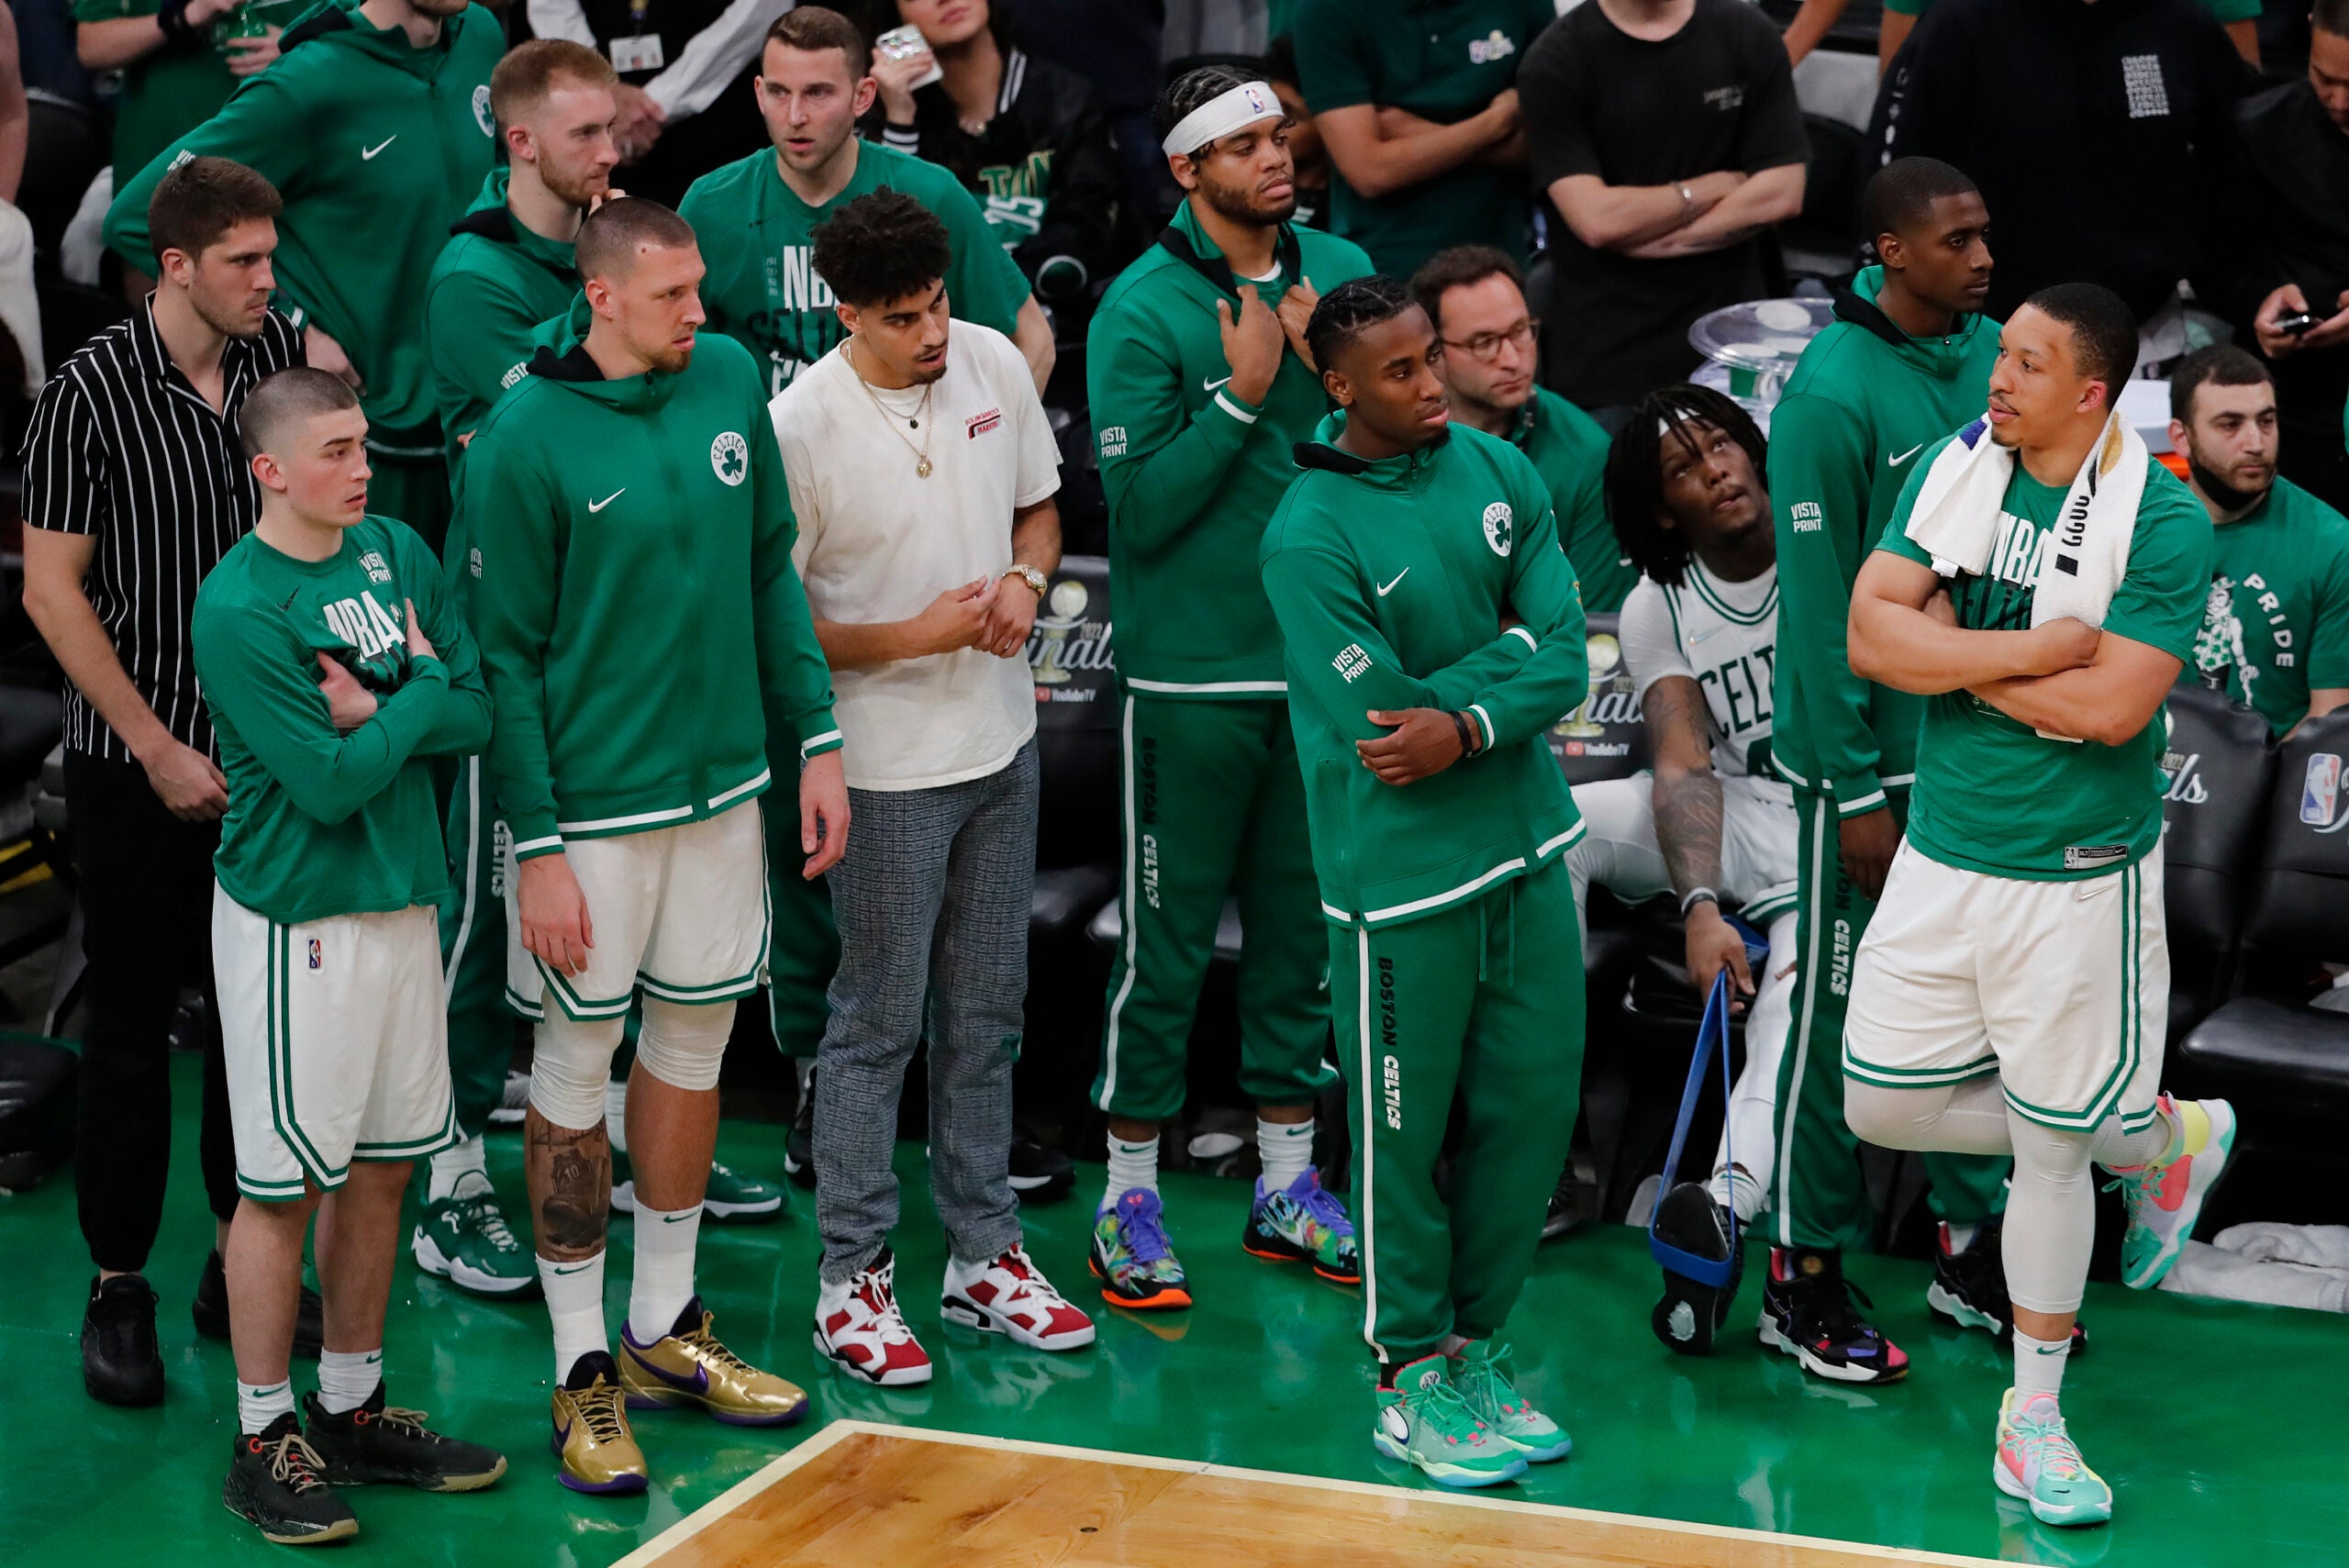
[{"x": 124, "y": 447}]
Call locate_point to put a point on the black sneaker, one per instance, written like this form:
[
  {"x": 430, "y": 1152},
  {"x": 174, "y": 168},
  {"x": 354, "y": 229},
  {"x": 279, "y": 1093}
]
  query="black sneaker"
[
  {"x": 1040, "y": 1175},
  {"x": 383, "y": 1443},
  {"x": 210, "y": 1310},
  {"x": 799, "y": 1143},
  {"x": 1969, "y": 1288},
  {"x": 273, "y": 1482},
  {"x": 1689, "y": 1315},
  {"x": 121, "y": 1363},
  {"x": 1807, "y": 1312}
]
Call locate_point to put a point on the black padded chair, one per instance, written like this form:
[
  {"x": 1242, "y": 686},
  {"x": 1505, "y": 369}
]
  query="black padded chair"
[
  {"x": 2264, "y": 1047},
  {"x": 2221, "y": 771}
]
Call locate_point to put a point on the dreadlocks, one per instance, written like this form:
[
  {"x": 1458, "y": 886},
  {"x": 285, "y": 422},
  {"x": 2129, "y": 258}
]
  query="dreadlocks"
[{"x": 1634, "y": 480}]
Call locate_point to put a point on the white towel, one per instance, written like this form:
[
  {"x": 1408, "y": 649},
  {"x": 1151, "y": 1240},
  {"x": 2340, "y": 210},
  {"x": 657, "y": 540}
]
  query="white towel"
[{"x": 1956, "y": 518}]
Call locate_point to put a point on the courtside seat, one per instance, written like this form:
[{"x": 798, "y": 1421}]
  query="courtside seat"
[
  {"x": 2263, "y": 1045},
  {"x": 31, "y": 724},
  {"x": 2221, "y": 771}
]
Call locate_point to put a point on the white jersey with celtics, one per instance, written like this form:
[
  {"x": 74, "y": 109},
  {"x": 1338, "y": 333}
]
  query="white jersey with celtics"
[{"x": 1724, "y": 637}]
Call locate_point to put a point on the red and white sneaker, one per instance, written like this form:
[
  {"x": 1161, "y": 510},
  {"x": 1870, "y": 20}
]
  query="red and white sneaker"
[
  {"x": 1009, "y": 1296},
  {"x": 859, "y": 1327}
]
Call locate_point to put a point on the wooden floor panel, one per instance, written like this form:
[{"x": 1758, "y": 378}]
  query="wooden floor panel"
[{"x": 857, "y": 1496}]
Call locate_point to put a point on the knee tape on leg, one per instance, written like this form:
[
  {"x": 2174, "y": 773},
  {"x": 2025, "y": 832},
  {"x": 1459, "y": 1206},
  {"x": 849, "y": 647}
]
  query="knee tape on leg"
[
  {"x": 569, "y": 1061},
  {"x": 683, "y": 1046}
]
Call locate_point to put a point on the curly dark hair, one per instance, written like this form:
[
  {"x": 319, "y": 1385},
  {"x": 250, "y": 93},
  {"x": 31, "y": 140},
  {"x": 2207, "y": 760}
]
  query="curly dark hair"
[
  {"x": 1345, "y": 310},
  {"x": 1634, "y": 478},
  {"x": 880, "y": 247}
]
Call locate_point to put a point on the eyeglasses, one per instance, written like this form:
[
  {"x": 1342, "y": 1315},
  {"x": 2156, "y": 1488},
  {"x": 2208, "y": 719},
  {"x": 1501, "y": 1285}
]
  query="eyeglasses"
[{"x": 1486, "y": 346}]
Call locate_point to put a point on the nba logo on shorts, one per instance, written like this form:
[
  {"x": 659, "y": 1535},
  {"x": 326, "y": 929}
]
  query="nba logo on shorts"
[
  {"x": 315, "y": 959},
  {"x": 2321, "y": 791}
]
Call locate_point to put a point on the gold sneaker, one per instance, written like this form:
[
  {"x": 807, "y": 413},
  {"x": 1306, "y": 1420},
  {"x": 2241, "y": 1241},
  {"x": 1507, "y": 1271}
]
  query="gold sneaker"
[
  {"x": 591, "y": 1435},
  {"x": 688, "y": 1366}
]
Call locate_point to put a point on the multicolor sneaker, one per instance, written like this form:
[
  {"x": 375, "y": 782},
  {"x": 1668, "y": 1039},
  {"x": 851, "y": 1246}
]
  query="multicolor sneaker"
[
  {"x": 1689, "y": 1313},
  {"x": 380, "y": 1443},
  {"x": 2039, "y": 1463},
  {"x": 1969, "y": 1285},
  {"x": 688, "y": 1366},
  {"x": 730, "y": 1194},
  {"x": 1009, "y": 1296},
  {"x": 591, "y": 1435},
  {"x": 1423, "y": 1420},
  {"x": 1807, "y": 1312},
  {"x": 1131, "y": 1256},
  {"x": 858, "y": 1326},
  {"x": 1301, "y": 1222},
  {"x": 1480, "y": 1370},
  {"x": 464, "y": 1239},
  {"x": 2165, "y": 1198}
]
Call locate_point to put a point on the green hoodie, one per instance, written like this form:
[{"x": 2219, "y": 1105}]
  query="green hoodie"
[
  {"x": 1390, "y": 581},
  {"x": 1191, "y": 473},
  {"x": 494, "y": 283},
  {"x": 376, "y": 146},
  {"x": 1864, "y": 403},
  {"x": 634, "y": 594}
]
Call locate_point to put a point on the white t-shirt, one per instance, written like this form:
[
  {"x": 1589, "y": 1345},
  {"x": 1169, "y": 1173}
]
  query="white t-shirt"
[
  {"x": 877, "y": 542},
  {"x": 1724, "y": 637}
]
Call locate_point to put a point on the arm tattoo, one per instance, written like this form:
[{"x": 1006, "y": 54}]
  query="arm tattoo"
[
  {"x": 1687, "y": 799},
  {"x": 570, "y": 1175}
]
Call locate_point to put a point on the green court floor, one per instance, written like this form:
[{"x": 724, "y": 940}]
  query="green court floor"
[{"x": 2224, "y": 1429}]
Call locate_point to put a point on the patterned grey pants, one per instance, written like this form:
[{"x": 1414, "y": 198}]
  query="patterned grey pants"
[{"x": 932, "y": 900}]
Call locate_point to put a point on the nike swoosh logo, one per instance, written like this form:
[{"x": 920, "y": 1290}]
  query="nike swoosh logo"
[
  {"x": 1213, "y": 385},
  {"x": 674, "y": 1219},
  {"x": 599, "y": 506},
  {"x": 698, "y": 1384},
  {"x": 1904, "y": 457},
  {"x": 1387, "y": 588},
  {"x": 573, "y": 1268},
  {"x": 1696, "y": 637},
  {"x": 367, "y": 154}
]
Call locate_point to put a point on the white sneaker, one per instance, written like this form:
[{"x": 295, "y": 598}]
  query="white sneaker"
[
  {"x": 1009, "y": 1296},
  {"x": 859, "y": 1327}
]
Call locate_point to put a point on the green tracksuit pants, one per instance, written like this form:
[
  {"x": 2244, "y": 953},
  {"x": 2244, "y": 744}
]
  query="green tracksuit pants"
[
  {"x": 805, "y": 947},
  {"x": 472, "y": 950},
  {"x": 1819, "y": 1196},
  {"x": 1212, "y": 804},
  {"x": 1485, "y": 999}
]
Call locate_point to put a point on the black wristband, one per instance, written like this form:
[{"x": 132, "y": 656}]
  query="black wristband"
[
  {"x": 1699, "y": 895},
  {"x": 1460, "y": 724},
  {"x": 170, "y": 16}
]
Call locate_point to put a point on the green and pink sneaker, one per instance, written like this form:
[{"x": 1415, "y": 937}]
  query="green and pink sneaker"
[
  {"x": 1301, "y": 1222},
  {"x": 2039, "y": 1463},
  {"x": 2166, "y": 1198},
  {"x": 1480, "y": 1370},
  {"x": 1423, "y": 1420}
]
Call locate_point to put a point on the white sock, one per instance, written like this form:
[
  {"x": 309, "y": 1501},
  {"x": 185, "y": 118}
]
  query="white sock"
[
  {"x": 347, "y": 1378},
  {"x": 616, "y": 1114},
  {"x": 1734, "y": 1187},
  {"x": 1131, "y": 1165},
  {"x": 1287, "y": 1150},
  {"x": 663, "y": 1281},
  {"x": 1960, "y": 1236},
  {"x": 446, "y": 1175},
  {"x": 260, "y": 1404},
  {"x": 575, "y": 1302},
  {"x": 2039, "y": 1365}
]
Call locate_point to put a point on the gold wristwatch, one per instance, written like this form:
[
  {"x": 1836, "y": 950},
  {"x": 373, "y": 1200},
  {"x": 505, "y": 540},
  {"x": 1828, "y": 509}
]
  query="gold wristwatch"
[{"x": 1030, "y": 575}]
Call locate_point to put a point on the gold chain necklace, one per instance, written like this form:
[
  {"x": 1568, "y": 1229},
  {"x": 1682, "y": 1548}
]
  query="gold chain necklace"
[{"x": 921, "y": 452}]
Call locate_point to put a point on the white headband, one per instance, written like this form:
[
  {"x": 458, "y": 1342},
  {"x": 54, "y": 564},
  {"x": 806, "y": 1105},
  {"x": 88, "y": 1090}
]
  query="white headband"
[{"x": 1222, "y": 114}]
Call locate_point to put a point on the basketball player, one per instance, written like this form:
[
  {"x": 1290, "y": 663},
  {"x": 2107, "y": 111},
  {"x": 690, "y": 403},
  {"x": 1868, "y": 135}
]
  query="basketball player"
[
  {"x": 1201, "y": 389},
  {"x": 1714, "y": 827},
  {"x": 640, "y": 617},
  {"x": 1905, "y": 362},
  {"x": 2042, "y": 580},
  {"x": 1433, "y": 634},
  {"x": 317, "y": 640}
]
